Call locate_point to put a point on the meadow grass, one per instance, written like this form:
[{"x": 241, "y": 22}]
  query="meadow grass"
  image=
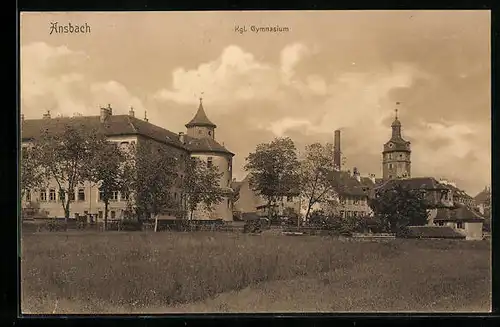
[{"x": 135, "y": 271}]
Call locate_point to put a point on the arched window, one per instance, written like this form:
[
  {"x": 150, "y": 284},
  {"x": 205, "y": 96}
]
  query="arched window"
[{"x": 210, "y": 133}]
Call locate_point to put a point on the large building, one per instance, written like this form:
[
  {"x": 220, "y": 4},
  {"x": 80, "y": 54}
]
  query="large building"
[{"x": 126, "y": 130}]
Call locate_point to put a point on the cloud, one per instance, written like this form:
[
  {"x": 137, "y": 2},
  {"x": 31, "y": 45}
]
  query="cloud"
[{"x": 54, "y": 78}]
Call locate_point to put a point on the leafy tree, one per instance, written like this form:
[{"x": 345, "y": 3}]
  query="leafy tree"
[
  {"x": 315, "y": 171},
  {"x": 65, "y": 156},
  {"x": 32, "y": 174},
  {"x": 398, "y": 207},
  {"x": 202, "y": 185},
  {"x": 274, "y": 170},
  {"x": 155, "y": 170},
  {"x": 108, "y": 171}
]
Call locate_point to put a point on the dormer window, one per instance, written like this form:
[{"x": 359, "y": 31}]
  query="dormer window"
[{"x": 210, "y": 133}]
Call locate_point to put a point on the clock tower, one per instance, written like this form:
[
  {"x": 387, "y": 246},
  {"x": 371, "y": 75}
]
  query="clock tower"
[{"x": 396, "y": 156}]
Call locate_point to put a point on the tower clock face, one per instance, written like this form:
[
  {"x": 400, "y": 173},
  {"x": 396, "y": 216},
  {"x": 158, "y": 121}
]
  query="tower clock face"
[{"x": 391, "y": 145}]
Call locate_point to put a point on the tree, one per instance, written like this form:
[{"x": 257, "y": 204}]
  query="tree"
[
  {"x": 202, "y": 185},
  {"x": 398, "y": 207},
  {"x": 65, "y": 156},
  {"x": 315, "y": 172},
  {"x": 32, "y": 174},
  {"x": 274, "y": 171},
  {"x": 108, "y": 171},
  {"x": 155, "y": 171}
]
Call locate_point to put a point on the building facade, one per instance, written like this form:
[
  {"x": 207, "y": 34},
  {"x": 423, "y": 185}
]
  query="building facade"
[{"x": 128, "y": 131}]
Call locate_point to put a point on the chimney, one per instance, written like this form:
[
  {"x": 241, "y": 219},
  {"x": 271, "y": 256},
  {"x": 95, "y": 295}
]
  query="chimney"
[
  {"x": 181, "y": 137},
  {"x": 146, "y": 116},
  {"x": 46, "y": 115},
  {"x": 336, "y": 150},
  {"x": 372, "y": 178},
  {"x": 131, "y": 112},
  {"x": 104, "y": 115},
  {"x": 356, "y": 174},
  {"x": 110, "y": 110}
]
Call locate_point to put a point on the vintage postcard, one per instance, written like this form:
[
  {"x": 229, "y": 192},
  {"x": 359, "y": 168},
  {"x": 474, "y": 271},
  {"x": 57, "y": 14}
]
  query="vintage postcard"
[{"x": 249, "y": 162}]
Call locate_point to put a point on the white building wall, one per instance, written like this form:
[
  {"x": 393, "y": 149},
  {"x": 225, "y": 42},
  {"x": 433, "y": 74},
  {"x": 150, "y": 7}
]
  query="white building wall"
[{"x": 223, "y": 210}]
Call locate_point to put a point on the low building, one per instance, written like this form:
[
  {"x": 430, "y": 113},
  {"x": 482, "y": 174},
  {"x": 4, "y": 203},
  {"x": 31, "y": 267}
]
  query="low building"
[
  {"x": 462, "y": 219},
  {"x": 434, "y": 232}
]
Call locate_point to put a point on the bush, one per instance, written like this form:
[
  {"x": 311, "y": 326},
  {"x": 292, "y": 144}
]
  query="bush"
[{"x": 131, "y": 225}]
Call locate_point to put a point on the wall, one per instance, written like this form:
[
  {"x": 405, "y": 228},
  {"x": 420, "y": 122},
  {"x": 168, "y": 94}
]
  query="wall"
[
  {"x": 223, "y": 210},
  {"x": 400, "y": 162},
  {"x": 474, "y": 230},
  {"x": 201, "y": 132}
]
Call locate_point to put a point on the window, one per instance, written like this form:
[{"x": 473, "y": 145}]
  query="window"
[
  {"x": 342, "y": 200},
  {"x": 229, "y": 165},
  {"x": 460, "y": 225},
  {"x": 289, "y": 198},
  {"x": 209, "y": 133},
  {"x": 199, "y": 131},
  {"x": 356, "y": 201},
  {"x": 440, "y": 223},
  {"x": 175, "y": 196},
  {"x": 113, "y": 214},
  {"x": 228, "y": 203},
  {"x": 28, "y": 195},
  {"x": 114, "y": 196},
  {"x": 390, "y": 166},
  {"x": 100, "y": 214},
  {"x": 101, "y": 195},
  {"x": 390, "y": 176},
  {"x": 124, "y": 196},
  {"x": 81, "y": 194},
  {"x": 52, "y": 194},
  {"x": 209, "y": 162},
  {"x": 85, "y": 212},
  {"x": 400, "y": 156},
  {"x": 43, "y": 195},
  {"x": 389, "y": 156}
]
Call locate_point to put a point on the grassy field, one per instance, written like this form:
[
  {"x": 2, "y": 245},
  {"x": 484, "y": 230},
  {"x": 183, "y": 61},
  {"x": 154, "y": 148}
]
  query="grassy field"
[{"x": 228, "y": 272}]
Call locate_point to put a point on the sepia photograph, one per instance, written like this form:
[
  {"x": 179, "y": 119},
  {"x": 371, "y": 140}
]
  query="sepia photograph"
[{"x": 182, "y": 162}]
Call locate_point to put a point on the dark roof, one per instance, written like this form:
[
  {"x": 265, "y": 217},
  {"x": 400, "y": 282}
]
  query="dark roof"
[
  {"x": 457, "y": 191},
  {"x": 433, "y": 232},
  {"x": 422, "y": 183},
  {"x": 483, "y": 196},
  {"x": 346, "y": 184},
  {"x": 460, "y": 213},
  {"x": 119, "y": 125},
  {"x": 200, "y": 118},
  {"x": 113, "y": 126},
  {"x": 205, "y": 145}
]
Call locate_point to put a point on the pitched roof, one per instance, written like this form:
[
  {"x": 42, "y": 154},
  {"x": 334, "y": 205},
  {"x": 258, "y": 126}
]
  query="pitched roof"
[
  {"x": 433, "y": 232},
  {"x": 118, "y": 125},
  {"x": 346, "y": 184},
  {"x": 457, "y": 191},
  {"x": 115, "y": 125},
  {"x": 205, "y": 145},
  {"x": 483, "y": 196},
  {"x": 460, "y": 213},
  {"x": 200, "y": 118},
  {"x": 422, "y": 183}
]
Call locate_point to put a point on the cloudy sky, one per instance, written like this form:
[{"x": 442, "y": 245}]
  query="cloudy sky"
[{"x": 331, "y": 70}]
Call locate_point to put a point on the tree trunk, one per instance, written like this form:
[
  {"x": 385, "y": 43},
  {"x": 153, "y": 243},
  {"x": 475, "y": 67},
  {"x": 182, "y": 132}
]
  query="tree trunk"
[{"x": 106, "y": 203}]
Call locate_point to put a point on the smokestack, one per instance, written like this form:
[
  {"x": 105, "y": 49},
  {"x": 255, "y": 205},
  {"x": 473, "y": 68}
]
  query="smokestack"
[
  {"x": 181, "y": 137},
  {"x": 336, "y": 150},
  {"x": 110, "y": 110},
  {"x": 372, "y": 178}
]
